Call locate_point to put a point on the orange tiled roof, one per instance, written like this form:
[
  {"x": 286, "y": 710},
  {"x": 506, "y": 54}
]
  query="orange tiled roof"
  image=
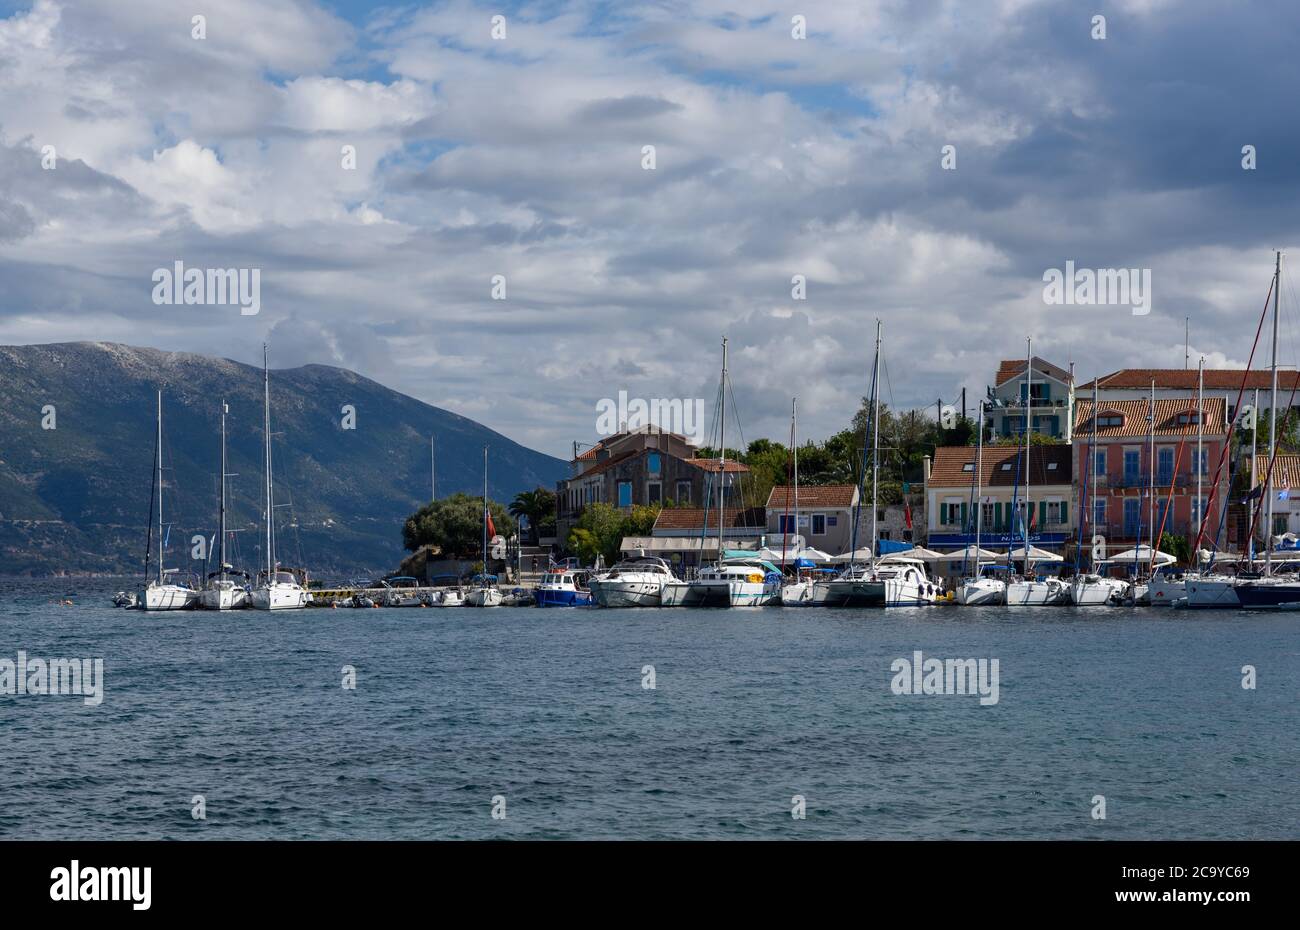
[
  {"x": 712, "y": 465},
  {"x": 1135, "y": 417},
  {"x": 693, "y": 518},
  {"x": 1184, "y": 379},
  {"x": 1015, "y": 367},
  {"x": 826, "y": 495},
  {"x": 947, "y": 470}
]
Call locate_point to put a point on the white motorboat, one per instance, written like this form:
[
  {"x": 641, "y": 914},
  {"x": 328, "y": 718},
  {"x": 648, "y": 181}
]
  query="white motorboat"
[
  {"x": 637, "y": 582},
  {"x": 402, "y": 592},
  {"x": 802, "y": 593},
  {"x": 735, "y": 582},
  {"x": 484, "y": 596}
]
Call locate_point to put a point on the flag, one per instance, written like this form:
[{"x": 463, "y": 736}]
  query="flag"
[
  {"x": 1284, "y": 494},
  {"x": 1255, "y": 493},
  {"x": 487, "y": 514},
  {"x": 907, "y": 513}
]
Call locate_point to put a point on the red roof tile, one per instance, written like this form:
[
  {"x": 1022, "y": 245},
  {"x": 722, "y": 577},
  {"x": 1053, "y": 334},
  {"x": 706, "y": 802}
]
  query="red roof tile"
[
  {"x": 693, "y": 518},
  {"x": 1135, "y": 417},
  {"x": 1184, "y": 379},
  {"x": 826, "y": 495},
  {"x": 1048, "y": 465}
]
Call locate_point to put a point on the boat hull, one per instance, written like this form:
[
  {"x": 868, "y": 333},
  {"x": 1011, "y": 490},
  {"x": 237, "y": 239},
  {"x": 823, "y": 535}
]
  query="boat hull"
[
  {"x": 1268, "y": 595},
  {"x": 729, "y": 594},
  {"x": 1096, "y": 592},
  {"x": 986, "y": 592},
  {"x": 166, "y": 597},
  {"x": 484, "y": 597},
  {"x": 552, "y": 597},
  {"x": 223, "y": 598},
  {"x": 626, "y": 593},
  {"x": 1037, "y": 594},
  {"x": 278, "y": 597},
  {"x": 887, "y": 593},
  {"x": 1205, "y": 593}
]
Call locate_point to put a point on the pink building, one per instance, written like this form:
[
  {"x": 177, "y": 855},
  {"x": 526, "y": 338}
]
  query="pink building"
[{"x": 1122, "y": 472}]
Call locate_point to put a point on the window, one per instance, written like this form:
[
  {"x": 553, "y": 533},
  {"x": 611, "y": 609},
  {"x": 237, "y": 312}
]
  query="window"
[
  {"x": 1132, "y": 515},
  {"x": 968, "y": 467},
  {"x": 1188, "y": 419},
  {"x": 683, "y": 492},
  {"x": 653, "y": 463},
  {"x": 1110, "y": 419},
  {"x": 1099, "y": 516},
  {"x": 1051, "y": 466},
  {"x": 1055, "y": 512},
  {"x": 1006, "y": 466},
  {"x": 1201, "y": 466},
  {"x": 1165, "y": 466},
  {"x": 1098, "y": 463},
  {"x": 1132, "y": 465},
  {"x": 986, "y": 514},
  {"x": 1196, "y": 514},
  {"x": 625, "y": 494},
  {"x": 654, "y": 493},
  {"x": 819, "y": 524},
  {"x": 785, "y": 523}
]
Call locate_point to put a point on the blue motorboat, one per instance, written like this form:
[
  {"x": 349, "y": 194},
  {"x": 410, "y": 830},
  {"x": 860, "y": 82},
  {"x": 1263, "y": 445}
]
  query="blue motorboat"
[{"x": 563, "y": 588}]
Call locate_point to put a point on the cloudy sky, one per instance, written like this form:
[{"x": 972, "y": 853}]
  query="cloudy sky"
[{"x": 523, "y": 157}]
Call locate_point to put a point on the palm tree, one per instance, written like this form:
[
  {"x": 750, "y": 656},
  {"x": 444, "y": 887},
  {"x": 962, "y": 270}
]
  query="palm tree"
[{"x": 537, "y": 505}]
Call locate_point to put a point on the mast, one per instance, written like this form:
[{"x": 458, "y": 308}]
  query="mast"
[
  {"x": 433, "y": 469},
  {"x": 979, "y": 474},
  {"x": 785, "y": 534},
  {"x": 875, "y": 446},
  {"x": 722, "y": 451},
  {"x": 1029, "y": 428},
  {"x": 266, "y": 436},
  {"x": 485, "y": 515},
  {"x": 1151, "y": 491},
  {"x": 1254, "y": 471},
  {"x": 1272, "y": 426},
  {"x": 794, "y": 414},
  {"x": 1200, "y": 439},
  {"x": 160, "y": 494},
  {"x": 221, "y": 516},
  {"x": 1096, "y": 473}
]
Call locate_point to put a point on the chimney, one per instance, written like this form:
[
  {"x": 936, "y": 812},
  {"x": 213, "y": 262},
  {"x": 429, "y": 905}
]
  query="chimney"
[{"x": 926, "y": 461}]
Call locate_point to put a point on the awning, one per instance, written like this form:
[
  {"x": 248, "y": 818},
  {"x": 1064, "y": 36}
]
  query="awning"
[
  {"x": 1035, "y": 555},
  {"x": 1141, "y": 555},
  {"x": 972, "y": 554},
  {"x": 858, "y": 555}
]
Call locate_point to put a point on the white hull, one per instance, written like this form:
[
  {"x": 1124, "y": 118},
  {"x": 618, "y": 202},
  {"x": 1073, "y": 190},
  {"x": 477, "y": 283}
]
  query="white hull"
[
  {"x": 450, "y": 599},
  {"x": 1211, "y": 592},
  {"x": 166, "y": 597},
  {"x": 982, "y": 592},
  {"x": 674, "y": 594},
  {"x": 627, "y": 592},
  {"x": 801, "y": 594},
  {"x": 483, "y": 597},
  {"x": 278, "y": 597},
  {"x": 730, "y": 594},
  {"x": 1037, "y": 593},
  {"x": 1096, "y": 591},
  {"x": 890, "y": 593},
  {"x": 1163, "y": 592},
  {"x": 223, "y": 597}
]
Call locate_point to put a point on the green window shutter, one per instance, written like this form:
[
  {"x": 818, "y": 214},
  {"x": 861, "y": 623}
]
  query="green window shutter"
[
  {"x": 1042, "y": 514},
  {"x": 1065, "y": 512},
  {"x": 997, "y": 516},
  {"x": 965, "y": 512},
  {"x": 943, "y": 514}
]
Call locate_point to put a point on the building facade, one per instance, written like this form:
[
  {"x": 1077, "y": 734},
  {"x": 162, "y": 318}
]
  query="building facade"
[
  {"x": 1116, "y": 477},
  {"x": 824, "y": 517},
  {"x": 1046, "y": 397},
  {"x": 1177, "y": 383}
]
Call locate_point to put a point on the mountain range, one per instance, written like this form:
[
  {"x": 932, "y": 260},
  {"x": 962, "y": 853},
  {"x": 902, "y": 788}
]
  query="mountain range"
[{"x": 77, "y": 430}]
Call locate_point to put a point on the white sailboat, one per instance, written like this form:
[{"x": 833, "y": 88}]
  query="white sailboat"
[
  {"x": 801, "y": 590},
  {"x": 487, "y": 594},
  {"x": 730, "y": 582},
  {"x": 1094, "y": 589},
  {"x": 977, "y": 589},
  {"x": 159, "y": 593},
  {"x": 897, "y": 581},
  {"x": 1029, "y": 590},
  {"x": 223, "y": 592},
  {"x": 276, "y": 589}
]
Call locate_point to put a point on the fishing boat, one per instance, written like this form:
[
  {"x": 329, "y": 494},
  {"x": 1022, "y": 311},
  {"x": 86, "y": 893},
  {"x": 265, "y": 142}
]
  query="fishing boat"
[
  {"x": 274, "y": 589},
  {"x": 485, "y": 592},
  {"x": 224, "y": 589},
  {"x": 636, "y": 582},
  {"x": 161, "y": 593},
  {"x": 564, "y": 588}
]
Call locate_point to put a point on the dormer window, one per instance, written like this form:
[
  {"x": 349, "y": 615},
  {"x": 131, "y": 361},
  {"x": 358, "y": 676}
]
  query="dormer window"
[
  {"x": 1006, "y": 466},
  {"x": 1189, "y": 419},
  {"x": 968, "y": 467},
  {"x": 1110, "y": 419},
  {"x": 1051, "y": 466}
]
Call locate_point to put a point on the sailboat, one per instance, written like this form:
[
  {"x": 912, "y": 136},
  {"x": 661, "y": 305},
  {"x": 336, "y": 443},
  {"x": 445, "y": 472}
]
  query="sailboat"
[
  {"x": 735, "y": 581},
  {"x": 1271, "y": 592},
  {"x": 1092, "y": 589},
  {"x": 1028, "y": 590},
  {"x": 898, "y": 582},
  {"x": 159, "y": 593},
  {"x": 978, "y": 589},
  {"x": 223, "y": 592},
  {"x": 487, "y": 594},
  {"x": 800, "y": 591},
  {"x": 276, "y": 590}
]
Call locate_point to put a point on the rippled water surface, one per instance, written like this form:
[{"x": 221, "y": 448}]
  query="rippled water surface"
[{"x": 547, "y": 708}]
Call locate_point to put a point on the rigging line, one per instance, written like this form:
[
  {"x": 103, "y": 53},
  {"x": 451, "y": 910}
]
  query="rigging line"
[{"x": 1227, "y": 442}]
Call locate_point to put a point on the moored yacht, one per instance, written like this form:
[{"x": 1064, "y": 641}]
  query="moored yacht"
[
  {"x": 894, "y": 581},
  {"x": 278, "y": 590},
  {"x": 563, "y": 588},
  {"x": 635, "y": 582},
  {"x": 1093, "y": 590},
  {"x": 735, "y": 582},
  {"x": 275, "y": 589},
  {"x": 161, "y": 593}
]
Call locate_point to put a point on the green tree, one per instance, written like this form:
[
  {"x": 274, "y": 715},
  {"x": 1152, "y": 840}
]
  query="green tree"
[
  {"x": 455, "y": 525},
  {"x": 601, "y": 527},
  {"x": 538, "y": 506}
]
